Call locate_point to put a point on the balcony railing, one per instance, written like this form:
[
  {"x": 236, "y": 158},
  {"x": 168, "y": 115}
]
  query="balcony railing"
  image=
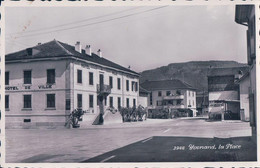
[
  {"x": 103, "y": 89},
  {"x": 173, "y": 97}
]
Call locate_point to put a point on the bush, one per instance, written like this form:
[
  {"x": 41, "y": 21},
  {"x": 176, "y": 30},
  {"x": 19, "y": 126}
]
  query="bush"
[
  {"x": 215, "y": 116},
  {"x": 74, "y": 117},
  {"x": 132, "y": 114},
  {"x": 166, "y": 113},
  {"x": 160, "y": 113}
]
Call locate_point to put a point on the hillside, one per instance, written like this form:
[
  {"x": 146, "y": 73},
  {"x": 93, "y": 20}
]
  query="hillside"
[{"x": 194, "y": 72}]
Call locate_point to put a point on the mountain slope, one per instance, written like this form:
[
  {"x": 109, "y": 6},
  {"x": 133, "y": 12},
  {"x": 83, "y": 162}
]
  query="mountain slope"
[{"x": 194, "y": 72}]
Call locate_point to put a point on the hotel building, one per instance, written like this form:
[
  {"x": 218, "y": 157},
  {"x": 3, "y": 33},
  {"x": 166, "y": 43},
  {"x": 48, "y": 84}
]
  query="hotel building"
[{"x": 43, "y": 84}]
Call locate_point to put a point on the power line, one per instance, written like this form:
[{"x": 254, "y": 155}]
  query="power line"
[
  {"x": 90, "y": 24},
  {"x": 125, "y": 22},
  {"x": 80, "y": 21}
]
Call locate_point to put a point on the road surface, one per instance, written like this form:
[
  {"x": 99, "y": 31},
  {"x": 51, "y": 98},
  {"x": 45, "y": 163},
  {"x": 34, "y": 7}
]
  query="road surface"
[{"x": 153, "y": 140}]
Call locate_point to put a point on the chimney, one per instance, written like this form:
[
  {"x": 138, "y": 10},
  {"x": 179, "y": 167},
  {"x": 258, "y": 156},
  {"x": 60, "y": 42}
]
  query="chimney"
[
  {"x": 88, "y": 50},
  {"x": 99, "y": 53},
  {"x": 78, "y": 47}
]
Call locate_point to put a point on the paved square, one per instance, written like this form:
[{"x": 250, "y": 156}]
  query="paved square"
[{"x": 151, "y": 140}]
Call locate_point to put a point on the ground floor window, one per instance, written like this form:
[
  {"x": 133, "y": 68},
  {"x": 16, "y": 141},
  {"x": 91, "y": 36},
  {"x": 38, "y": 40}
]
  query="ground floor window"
[
  {"x": 27, "y": 101},
  {"x": 67, "y": 104},
  {"x": 105, "y": 101},
  {"x": 91, "y": 101},
  {"x": 79, "y": 97},
  {"x": 7, "y": 101},
  {"x": 151, "y": 99},
  {"x": 134, "y": 102},
  {"x": 111, "y": 101},
  {"x": 50, "y": 100},
  {"x": 119, "y": 102},
  {"x": 127, "y": 102}
]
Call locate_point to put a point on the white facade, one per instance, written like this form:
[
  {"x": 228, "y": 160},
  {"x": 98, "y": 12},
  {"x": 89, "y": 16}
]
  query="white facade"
[
  {"x": 65, "y": 91},
  {"x": 177, "y": 98},
  {"x": 143, "y": 101},
  {"x": 244, "y": 98}
]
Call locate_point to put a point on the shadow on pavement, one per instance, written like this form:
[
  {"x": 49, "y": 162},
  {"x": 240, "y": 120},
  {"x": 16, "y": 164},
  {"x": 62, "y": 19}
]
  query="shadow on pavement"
[{"x": 187, "y": 149}]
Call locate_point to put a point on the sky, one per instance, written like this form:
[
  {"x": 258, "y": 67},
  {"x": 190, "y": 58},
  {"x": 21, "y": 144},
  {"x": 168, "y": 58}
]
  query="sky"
[{"x": 142, "y": 37}]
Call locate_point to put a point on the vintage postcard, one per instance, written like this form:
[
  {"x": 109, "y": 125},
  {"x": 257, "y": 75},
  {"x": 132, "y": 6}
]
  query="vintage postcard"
[{"x": 129, "y": 84}]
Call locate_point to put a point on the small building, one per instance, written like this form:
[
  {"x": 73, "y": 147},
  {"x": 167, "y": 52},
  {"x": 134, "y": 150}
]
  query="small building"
[
  {"x": 244, "y": 84},
  {"x": 143, "y": 97},
  {"x": 173, "y": 94},
  {"x": 44, "y": 83},
  {"x": 202, "y": 100},
  {"x": 245, "y": 16},
  {"x": 224, "y": 92}
]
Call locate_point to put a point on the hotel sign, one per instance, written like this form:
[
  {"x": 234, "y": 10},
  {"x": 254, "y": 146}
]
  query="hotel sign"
[
  {"x": 11, "y": 88},
  {"x": 29, "y": 87}
]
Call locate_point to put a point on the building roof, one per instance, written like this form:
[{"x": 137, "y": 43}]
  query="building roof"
[
  {"x": 56, "y": 49},
  {"x": 143, "y": 90},
  {"x": 242, "y": 13},
  {"x": 227, "y": 71},
  {"x": 166, "y": 85}
]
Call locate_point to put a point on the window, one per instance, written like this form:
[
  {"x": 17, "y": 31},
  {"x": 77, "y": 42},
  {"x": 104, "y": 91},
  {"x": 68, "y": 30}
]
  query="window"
[
  {"x": 189, "y": 103},
  {"x": 189, "y": 93},
  {"x": 159, "y": 103},
  {"x": 67, "y": 104},
  {"x": 178, "y": 102},
  {"x": 136, "y": 86},
  {"x": 79, "y": 75},
  {"x": 7, "y": 101},
  {"x": 159, "y": 93},
  {"x": 91, "y": 101},
  {"x": 50, "y": 100},
  {"x": 6, "y": 78},
  {"x": 27, "y": 77},
  {"x": 133, "y": 84},
  {"x": 91, "y": 78},
  {"x": 192, "y": 94},
  {"x": 110, "y": 101},
  {"x": 27, "y": 120},
  {"x": 101, "y": 79},
  {"x": 50, "y": 76},
  {"x": 193, "y": 103},
  {"x": 127, "y": 102},
  {"x": 127, "y": 85},
  {"x": 118, "y": 83},
  {"x": 27, "y": 101},
  {"x": 119, "y": 102},
  {"x": 111, "y": 81},
  {"x": 79, "y": 98},
  {"x": 178, "y": 92},
  {"x": 151, "y": 99},
  {"x": 168, "y": 93},
  {"x": 134, "y": 103}
]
